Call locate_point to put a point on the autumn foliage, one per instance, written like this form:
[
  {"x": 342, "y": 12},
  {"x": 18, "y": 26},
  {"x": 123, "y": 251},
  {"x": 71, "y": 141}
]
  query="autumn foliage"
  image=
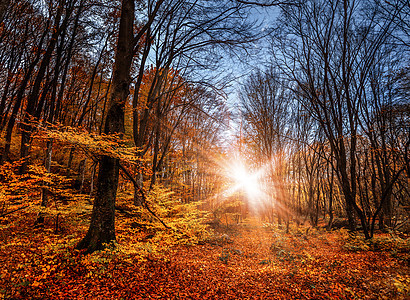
[
  {"x": 248, "y": 261},
  {"x": 188, "y": 150}
]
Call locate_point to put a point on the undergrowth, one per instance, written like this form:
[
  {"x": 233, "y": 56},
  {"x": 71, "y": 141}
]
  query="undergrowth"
[
  {"x": 172, "y": 223},
  {"x": 388, "y": 242}
]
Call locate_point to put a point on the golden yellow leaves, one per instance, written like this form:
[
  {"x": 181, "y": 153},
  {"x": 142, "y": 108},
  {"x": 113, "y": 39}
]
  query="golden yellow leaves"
[{"x": 92, "y": 144}]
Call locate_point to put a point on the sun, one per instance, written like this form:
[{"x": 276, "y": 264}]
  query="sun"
[{"x": 245, "y": 180}]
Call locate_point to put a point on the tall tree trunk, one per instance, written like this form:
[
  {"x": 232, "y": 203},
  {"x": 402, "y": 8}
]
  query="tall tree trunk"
[
  {"x": 19, "y": 98},
  {"x": 44, "y": 191},
  {"x": 33, "y": 107},
  {"x": 329, "y": 224},
  {"x": 102, "y": 225},
  {"x": 92, "y": 178}
]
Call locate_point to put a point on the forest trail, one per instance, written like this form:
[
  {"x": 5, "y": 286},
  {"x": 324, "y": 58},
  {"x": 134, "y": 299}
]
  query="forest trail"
[{"x": 246, "y": 261}]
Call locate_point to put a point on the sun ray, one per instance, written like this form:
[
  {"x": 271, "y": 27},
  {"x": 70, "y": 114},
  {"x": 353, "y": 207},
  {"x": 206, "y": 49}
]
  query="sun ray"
[{"x": 245, "y": 180}]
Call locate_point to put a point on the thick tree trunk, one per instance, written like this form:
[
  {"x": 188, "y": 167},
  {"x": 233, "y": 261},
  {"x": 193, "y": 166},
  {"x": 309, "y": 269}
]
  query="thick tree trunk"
[
  {"x": 102, "y": 226},
  {"x": 350, "y": 211}
]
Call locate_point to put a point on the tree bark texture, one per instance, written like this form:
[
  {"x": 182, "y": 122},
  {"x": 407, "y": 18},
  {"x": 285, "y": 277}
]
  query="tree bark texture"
[{"x": 102, "y": 225}]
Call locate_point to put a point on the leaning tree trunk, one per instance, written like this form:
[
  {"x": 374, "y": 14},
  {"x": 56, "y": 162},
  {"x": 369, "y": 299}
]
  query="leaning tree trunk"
[{"x": 102, "y": 225}]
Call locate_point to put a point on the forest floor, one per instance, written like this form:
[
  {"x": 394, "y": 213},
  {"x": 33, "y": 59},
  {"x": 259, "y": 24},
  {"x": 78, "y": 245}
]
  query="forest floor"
[{"x": 247, "y": 261}]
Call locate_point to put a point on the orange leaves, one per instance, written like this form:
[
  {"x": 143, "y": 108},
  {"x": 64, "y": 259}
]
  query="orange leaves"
[
  {"x": 94, "y": 144},
  {"x": 262, "y": 262},
  {"x": 21, "y": 191},
  {"x": 15, "y": 190}
]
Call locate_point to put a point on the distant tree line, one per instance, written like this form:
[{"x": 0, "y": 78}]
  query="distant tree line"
[{"x": 330, "y": 116}]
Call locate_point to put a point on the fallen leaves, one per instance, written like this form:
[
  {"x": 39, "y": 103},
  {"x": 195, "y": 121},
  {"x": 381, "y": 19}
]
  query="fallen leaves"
[{"x": 255, "y": 264}]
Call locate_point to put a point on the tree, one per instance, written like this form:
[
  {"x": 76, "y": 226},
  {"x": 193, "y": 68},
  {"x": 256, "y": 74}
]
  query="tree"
[
  {"x": 328, "y": 49},
  {"x": 102, "y": 225},
  {"x": 266, "y": 110},
  {"x": 187, "y": 37}
]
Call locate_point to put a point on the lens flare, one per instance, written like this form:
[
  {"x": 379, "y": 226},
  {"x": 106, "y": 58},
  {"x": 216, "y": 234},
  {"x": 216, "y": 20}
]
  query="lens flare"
[{"x": 246, "y": 180}]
